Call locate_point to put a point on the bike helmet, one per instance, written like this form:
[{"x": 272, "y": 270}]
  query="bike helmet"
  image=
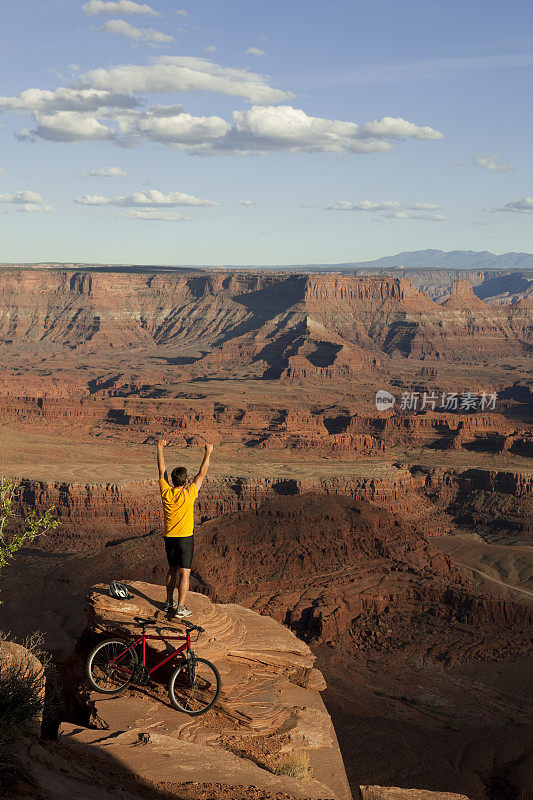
[{"x": 118, "y": 590}]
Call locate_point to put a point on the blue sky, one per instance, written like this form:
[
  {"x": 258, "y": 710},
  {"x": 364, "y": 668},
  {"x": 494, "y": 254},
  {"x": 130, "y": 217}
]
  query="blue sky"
[{"x": 232, "y": 132}]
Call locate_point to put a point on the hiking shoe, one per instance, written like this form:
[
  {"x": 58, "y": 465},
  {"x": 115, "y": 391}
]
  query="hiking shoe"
[
  {"x": 183, "y": 612},
  {"x": 170, "y": 607}
]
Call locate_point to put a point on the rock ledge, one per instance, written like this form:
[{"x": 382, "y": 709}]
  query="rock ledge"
[{"x": 269, "y": 706}]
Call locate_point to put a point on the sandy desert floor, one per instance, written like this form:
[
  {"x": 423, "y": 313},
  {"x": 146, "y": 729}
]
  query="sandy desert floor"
[{"x": 61, "y": 456}]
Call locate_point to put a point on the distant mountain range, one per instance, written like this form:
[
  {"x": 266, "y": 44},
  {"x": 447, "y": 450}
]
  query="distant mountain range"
[
  {"x": 437, "y": 259},
  {"x": 413, "y": 259},
  {"x": 496, "y": 279}
]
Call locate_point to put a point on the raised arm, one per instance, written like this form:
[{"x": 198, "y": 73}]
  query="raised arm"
[
  {"x": 161, "y": 458},
  {"x": 199, "y": 479}
]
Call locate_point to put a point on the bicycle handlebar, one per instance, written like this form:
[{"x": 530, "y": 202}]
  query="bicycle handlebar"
[
  {"x": 194, "y": 627},
  {"x": 144, "y": 622}
]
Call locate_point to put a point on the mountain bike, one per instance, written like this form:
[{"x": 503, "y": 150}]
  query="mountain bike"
[{"x": 194, "y": 684}]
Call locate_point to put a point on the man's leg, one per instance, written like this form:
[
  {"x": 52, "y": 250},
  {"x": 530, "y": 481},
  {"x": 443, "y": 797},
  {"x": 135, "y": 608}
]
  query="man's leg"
[
  {"x": 171, "y": 583},
  {"x": 183, "y": 587}
]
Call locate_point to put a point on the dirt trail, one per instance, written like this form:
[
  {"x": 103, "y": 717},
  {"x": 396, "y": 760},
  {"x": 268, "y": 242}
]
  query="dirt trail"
[{"x": 495, "y": 580}]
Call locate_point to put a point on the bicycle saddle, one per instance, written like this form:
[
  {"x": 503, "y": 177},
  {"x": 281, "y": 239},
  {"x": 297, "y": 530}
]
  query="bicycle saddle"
[{"x": 145, "y": 621}]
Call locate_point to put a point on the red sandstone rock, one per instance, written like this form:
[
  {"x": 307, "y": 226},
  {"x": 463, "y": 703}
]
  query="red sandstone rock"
[
  {"x": 298, "y": 327},
  {"x": 269, "y": 689},
  {"x": 394, "y": 793},
  {"x": 462, "y": 297}
]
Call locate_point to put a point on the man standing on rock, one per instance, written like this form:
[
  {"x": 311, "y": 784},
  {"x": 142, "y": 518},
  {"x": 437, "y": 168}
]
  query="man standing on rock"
[{"x": 178, "y": 509}]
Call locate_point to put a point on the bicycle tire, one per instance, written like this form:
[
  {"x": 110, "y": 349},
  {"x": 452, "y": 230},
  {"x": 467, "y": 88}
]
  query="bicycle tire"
[
  {"x": 93, "y": 665},
  {"x": 212, "y": 687}
]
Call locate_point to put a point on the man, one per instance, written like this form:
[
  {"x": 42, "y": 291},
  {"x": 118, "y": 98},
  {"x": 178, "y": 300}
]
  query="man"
[{"x": 178, "y": 509}]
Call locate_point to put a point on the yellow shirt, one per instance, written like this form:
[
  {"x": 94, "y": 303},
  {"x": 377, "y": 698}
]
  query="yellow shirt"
[{"x": 178, "y": 504}]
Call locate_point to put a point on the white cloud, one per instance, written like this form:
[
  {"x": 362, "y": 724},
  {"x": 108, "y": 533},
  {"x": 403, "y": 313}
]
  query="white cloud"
[
  {"x": 156, "y": 215},
  {"x": 22, "y": 197},
  {"x": 104, "y": 7},
  {"x": 414, "y": 215},
  {"x": 93, "y": 200},
  {"x": 32, "y": 207},
  {"x": 71, "y": 126},
  {"x": 184, "y": 74},
  {"x": 254, "y": 51},
  {"x": 25, "y": 135},
  {"x": 399, "y": 128},
  {"x": 102, "y": 107},
  {"x": 150, "y": 198},
  {"x": 26, "y": 200},
  {"x": 180, "y": 128},
  {"x": 385, "y": 205},
  {"x": 210, "y": 48},
  {"x": 261, "y": 129},
  {"x": 278, "y": 128},
  {"x": 123, "y": 28},
  {"x": 248, "y": 203},
  {"x": 392, "y": 209},
  {"x": 108, "y": 172},
  {"x": 490, "y": 161},
  {"x": 457, "y": 163},
  {"x": 182, "y": 13},
  {"x": 65, "y": 99},
  {"x": 159, "y": 112},
  {"x": 60, "y": 116},
  {"x": 523, "y": 206}
]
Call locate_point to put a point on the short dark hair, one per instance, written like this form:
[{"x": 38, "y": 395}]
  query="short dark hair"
[{"x": 179, "y": 476}]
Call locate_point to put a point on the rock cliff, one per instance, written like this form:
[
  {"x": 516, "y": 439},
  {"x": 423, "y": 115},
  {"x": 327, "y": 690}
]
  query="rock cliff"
[
  {"x": 269, "y": 716},
  {"x": 462, "y": 297},
  {"x": 236, "y": 325},
  {"x": 95, "y": 515},
  {"x": 389, "y": 615},
  {"x": 269, "y": 707}
]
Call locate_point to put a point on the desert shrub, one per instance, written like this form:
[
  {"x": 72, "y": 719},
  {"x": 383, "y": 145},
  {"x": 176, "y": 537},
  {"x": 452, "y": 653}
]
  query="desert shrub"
[
  {"x": 31, "y": 526},
  {"x": 295, "y": 765},
  {"x": 21, "y": 688},
  {"x": 374, "y": 793},
  {"x": 22, "y": 674}
]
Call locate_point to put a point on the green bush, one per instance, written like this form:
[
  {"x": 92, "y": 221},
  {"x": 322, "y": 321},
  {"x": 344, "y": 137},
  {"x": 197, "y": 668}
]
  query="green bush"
[
  {"x": 22, "y": 673},
  {"x": 11, "y": 540}
]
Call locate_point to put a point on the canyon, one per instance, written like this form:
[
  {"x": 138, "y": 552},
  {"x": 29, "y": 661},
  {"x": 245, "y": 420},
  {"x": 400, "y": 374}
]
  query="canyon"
[
  {"x": 396, "y": 544},
  {"x": 287, "y": 327}
]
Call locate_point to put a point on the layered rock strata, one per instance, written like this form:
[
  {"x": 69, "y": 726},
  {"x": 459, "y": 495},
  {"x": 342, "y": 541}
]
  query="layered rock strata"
[
  {"x": 269, "y": 701},
  {"x": 234, "y": 325},
  {"x": 92, "y": 515}
]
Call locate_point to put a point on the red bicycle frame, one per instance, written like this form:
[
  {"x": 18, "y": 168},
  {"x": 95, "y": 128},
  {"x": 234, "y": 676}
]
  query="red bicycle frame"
[{"x": 143, "y": 637}]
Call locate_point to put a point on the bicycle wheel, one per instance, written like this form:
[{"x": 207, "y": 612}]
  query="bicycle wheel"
[
  {"x": 111, "y": 665},
  {"x": 194, "y": 686}
]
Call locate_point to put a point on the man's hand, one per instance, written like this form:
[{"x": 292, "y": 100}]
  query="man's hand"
[
  {"x": 160, "y": 457},
  {"x": 199, "y": 479}
]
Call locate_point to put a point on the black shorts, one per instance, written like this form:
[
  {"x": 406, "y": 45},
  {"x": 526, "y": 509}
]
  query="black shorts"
[{"x": 180, "y": 550}]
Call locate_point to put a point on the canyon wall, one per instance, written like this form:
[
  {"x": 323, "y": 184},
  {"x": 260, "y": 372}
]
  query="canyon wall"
[
  {"x": 344, "y": 430},
  {"x": 267, "y": 325},
  {"x": 93, "y": 514}
]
